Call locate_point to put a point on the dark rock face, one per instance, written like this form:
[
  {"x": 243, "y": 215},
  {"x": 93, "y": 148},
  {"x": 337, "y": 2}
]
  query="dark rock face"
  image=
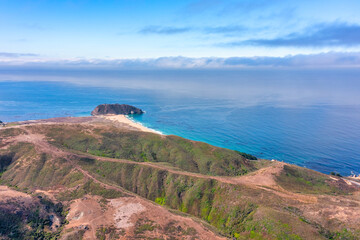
[{"x": 125, "y": 109}]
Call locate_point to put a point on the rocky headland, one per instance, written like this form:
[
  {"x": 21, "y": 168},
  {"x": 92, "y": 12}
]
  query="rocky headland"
[{"x": 124, "y": 109}]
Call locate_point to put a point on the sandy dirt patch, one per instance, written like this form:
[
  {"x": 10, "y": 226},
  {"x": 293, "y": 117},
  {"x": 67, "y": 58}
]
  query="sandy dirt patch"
[
  {"x": 166, "y": 225},
  {"x": 124, "y": 211},
  {"x": 262, "y": 177},
  {"x": 133, "y": 218},
  {"x": 124, "y": 120},
  {"x": 8, "y": 194},
  {"x": 88, "y": 213}
]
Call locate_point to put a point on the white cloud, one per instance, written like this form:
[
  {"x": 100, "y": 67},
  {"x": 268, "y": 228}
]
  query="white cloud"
[{"x": 330, "y": 59}]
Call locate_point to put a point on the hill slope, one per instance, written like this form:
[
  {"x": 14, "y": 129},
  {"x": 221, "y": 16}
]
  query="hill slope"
[{"x": 169, "y": 186}]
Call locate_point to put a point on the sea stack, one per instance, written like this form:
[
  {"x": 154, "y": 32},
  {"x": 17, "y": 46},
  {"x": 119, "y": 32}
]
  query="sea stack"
[{"x": 116, "y": 109}]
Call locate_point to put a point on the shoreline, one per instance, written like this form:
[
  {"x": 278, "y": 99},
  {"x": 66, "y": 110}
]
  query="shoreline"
[
  {"x": 126, "y": 120},
  {"x": 120, "y": 118}
]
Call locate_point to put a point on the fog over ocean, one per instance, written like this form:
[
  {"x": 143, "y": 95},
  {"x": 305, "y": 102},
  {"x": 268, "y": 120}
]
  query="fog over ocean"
[{"x": 307, "y": 117}]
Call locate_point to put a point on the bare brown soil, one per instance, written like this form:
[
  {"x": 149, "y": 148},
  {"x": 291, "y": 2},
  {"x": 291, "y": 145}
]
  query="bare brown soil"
[
  {"x": 7, "y": 193},
  {"x": 128, "y": 215}
]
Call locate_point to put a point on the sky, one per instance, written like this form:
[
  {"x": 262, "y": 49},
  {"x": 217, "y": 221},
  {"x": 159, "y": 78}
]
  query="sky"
[{"x": 198, "y": 33}]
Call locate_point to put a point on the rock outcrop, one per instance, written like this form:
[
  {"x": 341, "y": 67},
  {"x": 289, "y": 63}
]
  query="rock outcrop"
[{"x": 116, "y": 108}]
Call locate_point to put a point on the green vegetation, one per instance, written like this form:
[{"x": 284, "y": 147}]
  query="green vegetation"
[
  {"x": 10, "y": 132},
  {"x": 7, "y": 157},
  {"x": 303, "y": 180},
  {"x": 237, "y": 211},
  {"x": 76, "y": 235},
  {"x": 42, "y": 172},
  {"x": 160, "y": 200},
  {"x": 172, "y": 230},
  {"x": 5, "y": 161},
  {"x": 46, "y": 172},
  {"x": 224, "y": 206},
  {"x": 89, "y": 188},
  {"x": 144, "y": 225},
  {"x": 335, "y": 174},
  {"x": 31, "y": 222},
  {"x": 147, "y": 147},
  {"x": 107, "y": 233},
  {"x": 247, "y": 156},
  {"x": 343, "y": 234}
]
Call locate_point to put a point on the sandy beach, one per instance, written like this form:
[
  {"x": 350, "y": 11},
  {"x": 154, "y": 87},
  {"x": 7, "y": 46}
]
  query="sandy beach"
[{"x": 125, "y": 120}]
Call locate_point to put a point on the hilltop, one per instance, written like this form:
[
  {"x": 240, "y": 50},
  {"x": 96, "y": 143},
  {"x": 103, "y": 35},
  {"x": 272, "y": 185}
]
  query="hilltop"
[{"x": 92, "y": 177}]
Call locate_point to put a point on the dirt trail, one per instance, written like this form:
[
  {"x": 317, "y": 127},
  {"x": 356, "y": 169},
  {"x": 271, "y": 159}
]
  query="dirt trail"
[
  {"x": 262, "y": 179},
  {"x": 152, "y": 209},
  {"x": 155, "y": 210}
]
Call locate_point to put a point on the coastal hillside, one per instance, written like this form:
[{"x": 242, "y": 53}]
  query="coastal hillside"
[{"x": 97, "y": 178}]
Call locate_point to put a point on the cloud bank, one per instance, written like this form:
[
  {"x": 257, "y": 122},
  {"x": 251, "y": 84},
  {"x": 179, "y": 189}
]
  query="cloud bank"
[{"x": 322, "y": 60}]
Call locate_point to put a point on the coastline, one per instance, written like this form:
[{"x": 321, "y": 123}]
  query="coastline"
[
  {"x": 133, "y": 125},
  {"x": 126, "y": 120},
  {"x": 116, "y": 151},
  {"x": 137, "y": 126}
]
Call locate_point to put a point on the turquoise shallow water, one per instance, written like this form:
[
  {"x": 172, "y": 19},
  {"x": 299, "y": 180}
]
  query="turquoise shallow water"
[{"x": 290, "y": 124}]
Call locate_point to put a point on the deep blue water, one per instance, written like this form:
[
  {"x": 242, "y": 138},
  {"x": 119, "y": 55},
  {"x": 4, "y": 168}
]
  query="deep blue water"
[{"x": 310, "y": 123}]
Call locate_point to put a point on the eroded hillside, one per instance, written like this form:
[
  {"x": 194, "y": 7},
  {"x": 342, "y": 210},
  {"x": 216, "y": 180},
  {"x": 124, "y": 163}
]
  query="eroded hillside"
[{"x": 117, "y": 183}]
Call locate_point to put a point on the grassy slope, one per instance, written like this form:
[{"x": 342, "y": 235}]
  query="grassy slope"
[
  {"x": 23, "y": 168},
  {"x": 28, "y": 168},
  {"x": 237, "y": 211},
  {"x": 302, "y": 180},
  {"x": 142, "y": 147}
]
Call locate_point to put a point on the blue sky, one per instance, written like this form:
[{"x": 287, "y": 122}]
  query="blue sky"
[{"x": 104, "y": 31}]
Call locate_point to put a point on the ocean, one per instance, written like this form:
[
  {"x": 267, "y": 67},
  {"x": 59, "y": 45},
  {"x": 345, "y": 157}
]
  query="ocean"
[{"x": 310, "y": 118}]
